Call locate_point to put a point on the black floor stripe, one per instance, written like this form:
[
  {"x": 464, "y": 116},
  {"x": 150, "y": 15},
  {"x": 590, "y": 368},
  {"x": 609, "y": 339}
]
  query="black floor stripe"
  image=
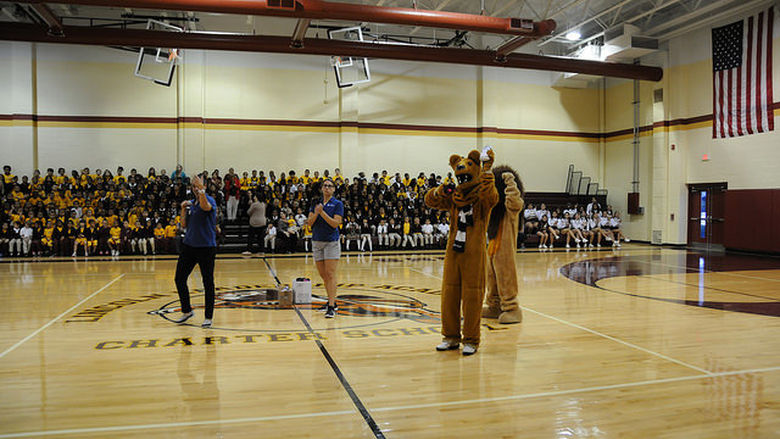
[{"x": 342, "y": 379}]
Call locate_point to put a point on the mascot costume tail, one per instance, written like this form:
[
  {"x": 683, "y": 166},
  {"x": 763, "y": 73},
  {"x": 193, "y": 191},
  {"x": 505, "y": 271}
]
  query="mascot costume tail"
[
  {"x": 463, "y": 285},
  {"x": 502, "y": 246}
]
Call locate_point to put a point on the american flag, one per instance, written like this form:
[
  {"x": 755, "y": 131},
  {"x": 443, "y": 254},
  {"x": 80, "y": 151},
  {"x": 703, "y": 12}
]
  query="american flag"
[{"x": 742, "y": 77}]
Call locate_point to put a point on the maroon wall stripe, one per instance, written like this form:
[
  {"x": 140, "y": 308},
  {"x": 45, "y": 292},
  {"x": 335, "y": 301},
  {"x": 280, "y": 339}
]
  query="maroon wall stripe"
[{"x": 359, "y": 125}]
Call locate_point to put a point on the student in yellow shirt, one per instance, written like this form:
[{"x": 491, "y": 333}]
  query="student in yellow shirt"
[
  {"x": 46, "y": 241},
  {"x": 8, "y": 177},
  {"x": 245, "y": 182},
  {"x": 115, "y": 241},
  {"x": 171, "y": 231},
  {"x": 421, "y": 180},
  {"x": 60, "y": 178},
  {"x": 119, "y": 178},
  {"x": 337, "y": 177},
  {"x": 160, "y": 241},
  {"x": 92, "y": 236},
  {"x": 306, "y": 235},
  {"x": 305, "y": 178}
]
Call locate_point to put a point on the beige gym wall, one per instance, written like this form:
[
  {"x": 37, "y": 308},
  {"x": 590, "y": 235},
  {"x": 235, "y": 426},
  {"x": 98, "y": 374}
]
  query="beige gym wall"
[{"x": 285, "y": 112}]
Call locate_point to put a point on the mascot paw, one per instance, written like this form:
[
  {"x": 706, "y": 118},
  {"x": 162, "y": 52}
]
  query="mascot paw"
[
  {"x": 487, "y": 157},
  {"x": 489, "y": 312},
  {"x": 508, "y": 177},
  {"x": 510, "y": 317}
]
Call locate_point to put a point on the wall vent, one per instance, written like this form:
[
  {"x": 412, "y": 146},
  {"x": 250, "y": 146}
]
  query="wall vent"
[
  {"x": 521, "y": 23},
  {"x": 657, "y": 237},
  {"x": 282, "y": 4}
]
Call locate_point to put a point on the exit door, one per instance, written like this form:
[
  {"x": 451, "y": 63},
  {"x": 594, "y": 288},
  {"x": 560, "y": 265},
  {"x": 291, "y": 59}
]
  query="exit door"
[{"x": 706, "y": 208}]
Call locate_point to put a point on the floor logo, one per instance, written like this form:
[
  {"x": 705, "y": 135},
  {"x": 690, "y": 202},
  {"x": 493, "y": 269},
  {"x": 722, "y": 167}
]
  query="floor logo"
[{"x": 378, "y": 304}]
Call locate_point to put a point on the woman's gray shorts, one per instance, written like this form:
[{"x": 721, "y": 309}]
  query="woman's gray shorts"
[{"x": 326, "y": 250}]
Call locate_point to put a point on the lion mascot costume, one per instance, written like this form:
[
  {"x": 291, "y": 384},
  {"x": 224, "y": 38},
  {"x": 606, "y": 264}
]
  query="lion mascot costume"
[
  {"x": 463, "y": 284},
  {"x": 502, "y": 246}
]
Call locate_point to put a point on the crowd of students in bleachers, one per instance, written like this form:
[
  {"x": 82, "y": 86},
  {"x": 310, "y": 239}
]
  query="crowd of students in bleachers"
[
  {"x": 582, "y": 225},
  {"x": 105, "y": 213}
]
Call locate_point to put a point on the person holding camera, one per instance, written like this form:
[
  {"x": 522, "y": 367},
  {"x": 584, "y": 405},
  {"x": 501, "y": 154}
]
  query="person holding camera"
[
  {"x": 199, "y": 246},
  {"x": 324, "y": 219}
]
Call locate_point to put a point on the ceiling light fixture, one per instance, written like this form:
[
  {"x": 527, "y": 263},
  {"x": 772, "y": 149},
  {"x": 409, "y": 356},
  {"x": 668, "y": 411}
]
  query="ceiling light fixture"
[{"x": 573, "y": 35}]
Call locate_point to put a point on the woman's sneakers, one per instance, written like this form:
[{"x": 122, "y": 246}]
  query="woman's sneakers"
[
  {"x": 330, "y": 312},
  {"x": 206, "y": 323},
  {"x": 184, "y": 317}
]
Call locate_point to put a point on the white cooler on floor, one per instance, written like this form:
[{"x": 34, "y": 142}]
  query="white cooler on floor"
[{"x": 302, "y": 290}]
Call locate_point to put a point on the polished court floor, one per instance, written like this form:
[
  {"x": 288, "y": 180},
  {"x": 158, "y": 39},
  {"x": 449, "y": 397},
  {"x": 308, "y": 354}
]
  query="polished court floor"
[{"x": 641, "y": 342}]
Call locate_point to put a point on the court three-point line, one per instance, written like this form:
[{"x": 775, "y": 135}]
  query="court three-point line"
[{"x": 51, "y": 322}]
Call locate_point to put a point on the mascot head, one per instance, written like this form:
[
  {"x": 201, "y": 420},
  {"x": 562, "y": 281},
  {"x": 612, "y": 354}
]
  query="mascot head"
[
  {"x": 467, "y": 170},
  {"x": 499, "y": 210}
]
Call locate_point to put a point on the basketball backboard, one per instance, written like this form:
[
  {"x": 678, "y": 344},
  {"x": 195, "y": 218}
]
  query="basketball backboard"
[
  {"x": 157, "y": 64},
  {"x": 349, "y": 70}
]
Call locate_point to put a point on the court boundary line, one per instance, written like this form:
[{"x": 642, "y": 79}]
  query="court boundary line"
[
  {"x": 237, "y": 256},
  {"x": 395, "y": 408},
  {"x": 362, "y": 409},
  {"x": 51, "y": 322},
  {"x": 616, "y": 340},
  {"x": 173, "y": 424}
]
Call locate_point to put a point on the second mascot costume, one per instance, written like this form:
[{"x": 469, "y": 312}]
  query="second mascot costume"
[
  {"x": 463, "y": 284},
  {"x": 502, "y": 246}
]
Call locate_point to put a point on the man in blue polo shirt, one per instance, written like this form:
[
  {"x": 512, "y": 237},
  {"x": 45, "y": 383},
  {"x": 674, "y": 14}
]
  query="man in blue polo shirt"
[
  {"x": 324, "y": 219},
  {"x": 199, "y": 246}
]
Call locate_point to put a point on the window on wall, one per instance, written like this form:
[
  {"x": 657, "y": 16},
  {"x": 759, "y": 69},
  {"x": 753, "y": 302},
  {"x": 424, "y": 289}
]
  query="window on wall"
[{"x": 703, "y": 215}]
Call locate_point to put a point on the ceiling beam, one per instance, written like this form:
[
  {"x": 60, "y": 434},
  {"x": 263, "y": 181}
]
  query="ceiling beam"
[
  {"x": 314, "y": 46},
  {"x": 300, "y": 33},
  {"x": 510, "y": 46},
  {"x": 324, "y": 10},
  {"x": 51, "y": 20}
]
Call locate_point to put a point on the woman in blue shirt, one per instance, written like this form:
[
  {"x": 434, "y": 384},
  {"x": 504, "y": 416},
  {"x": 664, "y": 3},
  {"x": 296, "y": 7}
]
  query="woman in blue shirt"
[
  {"x": 324, "y": 219},
  {"x": 199, "y": 246}
]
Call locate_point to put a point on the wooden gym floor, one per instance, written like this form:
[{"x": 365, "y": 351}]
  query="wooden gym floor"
[{"x": 641, "y": 342}]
